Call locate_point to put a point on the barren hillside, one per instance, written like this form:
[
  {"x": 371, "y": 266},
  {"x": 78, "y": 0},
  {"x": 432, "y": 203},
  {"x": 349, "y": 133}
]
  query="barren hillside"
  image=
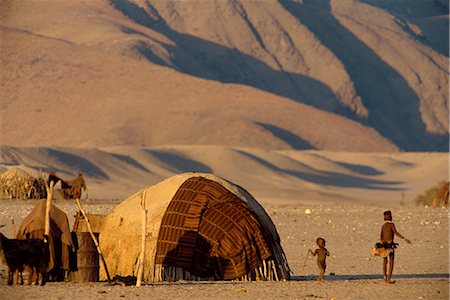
[
  {"x": 318, "y": 74},
  {"x": 277, "y": 177}
]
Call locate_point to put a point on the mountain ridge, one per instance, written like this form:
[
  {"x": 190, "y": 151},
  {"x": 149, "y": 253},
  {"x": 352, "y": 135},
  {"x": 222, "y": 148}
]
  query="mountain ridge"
[{"x": 232, "y": 73}]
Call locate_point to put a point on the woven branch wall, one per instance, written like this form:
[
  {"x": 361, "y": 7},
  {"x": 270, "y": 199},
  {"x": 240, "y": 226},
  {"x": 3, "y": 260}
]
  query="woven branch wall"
[{"x": 209, "y": 232}]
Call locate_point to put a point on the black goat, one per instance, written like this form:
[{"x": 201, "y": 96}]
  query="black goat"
[{"x": 30, "y": 254}]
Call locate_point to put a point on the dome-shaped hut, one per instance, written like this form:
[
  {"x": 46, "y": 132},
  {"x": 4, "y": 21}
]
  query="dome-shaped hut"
[{"x": 199, "y": 227}]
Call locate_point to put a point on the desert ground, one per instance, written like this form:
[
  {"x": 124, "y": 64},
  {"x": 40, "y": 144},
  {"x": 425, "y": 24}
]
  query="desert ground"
[
  {"x": 421, "y": 269},
  {"x": 349, "y": 217}
]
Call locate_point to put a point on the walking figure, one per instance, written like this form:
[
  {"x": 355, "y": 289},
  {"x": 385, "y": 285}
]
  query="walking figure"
[{"x": 322, "y": 254}]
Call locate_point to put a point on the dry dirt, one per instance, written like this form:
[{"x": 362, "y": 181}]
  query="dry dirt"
[{"x": 421, "y": 269}]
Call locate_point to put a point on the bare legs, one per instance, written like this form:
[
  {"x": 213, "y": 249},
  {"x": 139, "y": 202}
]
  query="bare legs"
[
  {"x": 322, "y": 268},
  {"x": 387, "y": 277}
]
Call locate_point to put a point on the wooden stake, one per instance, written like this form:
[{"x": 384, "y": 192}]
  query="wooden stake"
[
  {"x": 144, "y": 233},
  {"x": 14, "y": 229},
  {"x": 93, "y": 238},
  {"x": 48, "y": 204}
]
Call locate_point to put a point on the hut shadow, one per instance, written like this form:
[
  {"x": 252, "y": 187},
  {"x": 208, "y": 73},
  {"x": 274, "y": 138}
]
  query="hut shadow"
[{"x": 371, "y": 277}]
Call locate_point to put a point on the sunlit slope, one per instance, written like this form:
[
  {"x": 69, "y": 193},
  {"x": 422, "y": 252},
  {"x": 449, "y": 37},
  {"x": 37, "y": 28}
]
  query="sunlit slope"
[
  {"x": 273, "y": 176},
  {"x": 333, "y": 75}
]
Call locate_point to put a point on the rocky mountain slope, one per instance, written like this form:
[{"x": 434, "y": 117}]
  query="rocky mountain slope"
[{"x": 310, "y": 74}]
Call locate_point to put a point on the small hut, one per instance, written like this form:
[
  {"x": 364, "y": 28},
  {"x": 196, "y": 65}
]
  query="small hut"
[
  {"x": 199, "y": 227},
  {"x": 16, "y": 183}
]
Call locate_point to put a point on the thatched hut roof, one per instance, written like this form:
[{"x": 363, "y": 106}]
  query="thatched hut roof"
[
  {"x": 18, "y": 183},
  {"x": 441, "y": 197},
  {"x": 199, "y": 227}
]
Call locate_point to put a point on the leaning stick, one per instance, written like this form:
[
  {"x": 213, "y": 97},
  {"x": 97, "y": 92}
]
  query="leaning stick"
[
  {"x": 93, "y": 238},
  {"x": 48, "y": 204},
  {"x": 144, "y": 233},
  {"x": 306, "y": 258}
]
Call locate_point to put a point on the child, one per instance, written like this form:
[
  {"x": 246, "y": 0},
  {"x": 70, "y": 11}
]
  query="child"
[
  {"x": 387, "y": 244},
  {"x": 322, "y": 254}
]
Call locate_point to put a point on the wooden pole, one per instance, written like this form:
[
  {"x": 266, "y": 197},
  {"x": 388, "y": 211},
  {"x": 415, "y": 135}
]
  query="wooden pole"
[
  {"x": 142, "y": 255},
  {"x": 48, "y": 204},
  {"x": 93, "y": 238},
  {"x": 306, "y": 258},
  {"x": 14, "y": 229}
]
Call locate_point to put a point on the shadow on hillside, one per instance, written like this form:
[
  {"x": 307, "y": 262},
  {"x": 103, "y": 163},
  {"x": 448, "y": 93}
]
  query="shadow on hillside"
[
  {"x": 205, "y": 59},
  {"x": 131, "y": 161},
  {"x": 393, "y": 105},
  {"x": 357, "y": 168},
  {"x": 179, "y": 163},
  {"x": 330, "y": 178},
  {"x": 437, "y": 14},
  {"x": 72, "y": 162},
  {"x": 288, "y": 137}
]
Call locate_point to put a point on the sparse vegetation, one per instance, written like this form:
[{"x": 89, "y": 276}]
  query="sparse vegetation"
[{"x": 427, "y": 197}]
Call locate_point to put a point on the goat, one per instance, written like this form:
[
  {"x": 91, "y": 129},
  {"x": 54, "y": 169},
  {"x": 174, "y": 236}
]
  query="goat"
[{"x": 29, "y": 254}]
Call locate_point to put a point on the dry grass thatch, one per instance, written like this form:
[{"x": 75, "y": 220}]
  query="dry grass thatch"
[
  {"x": 120, "y": 234},
  {"x": 441, "y": 196},
  {"x": 16, "y": 183},
  {"x": 436, "y": 196}
]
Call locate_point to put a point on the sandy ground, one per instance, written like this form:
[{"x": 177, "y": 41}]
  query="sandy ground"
[{"x": 421, "y": 269}]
